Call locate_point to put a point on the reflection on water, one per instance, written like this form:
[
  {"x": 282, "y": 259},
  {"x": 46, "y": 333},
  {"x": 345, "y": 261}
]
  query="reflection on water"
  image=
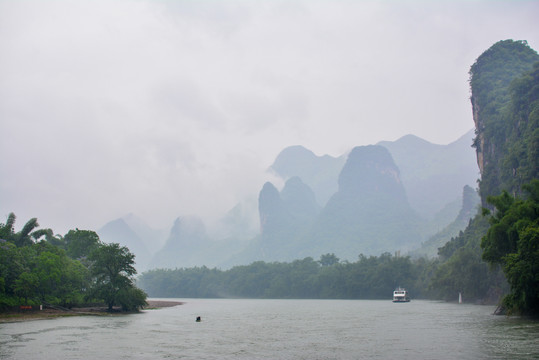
[{"x": 294, "y": 329}]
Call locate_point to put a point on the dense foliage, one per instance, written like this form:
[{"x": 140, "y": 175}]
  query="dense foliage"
[
  {"x": 462, "y": 269},
  {"x": 112, "y": 268},
  {"x": 512, "y": 241},
  {"x": 367, "y": 278},
  {"x": 506, "y": 109},
  {"x": 37, "y": 267},
  {"x": 520, "y": 163},
  {"x": 40, "y": 273},
  {"x": 504, "y": 99}
]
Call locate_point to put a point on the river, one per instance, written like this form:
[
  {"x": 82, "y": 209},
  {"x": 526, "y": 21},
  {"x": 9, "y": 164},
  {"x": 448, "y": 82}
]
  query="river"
[{"x": 279, "y": 329}]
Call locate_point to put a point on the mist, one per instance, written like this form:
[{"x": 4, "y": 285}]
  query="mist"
[{"x": 164, "y": 109}]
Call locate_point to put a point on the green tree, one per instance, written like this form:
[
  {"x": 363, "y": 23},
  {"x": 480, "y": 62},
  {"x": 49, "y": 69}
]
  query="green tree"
[
  {"x": 7, "y": 230},
  {"x": 12, "y": 265},
  {"x": 464, "y": 272},
  {"x": 113, "y": 270},
  {"x": 461, "y": 268},
  {"x": 35, "y": 268},
  {"x": 48, "y": 235},
  {"x": 80, "y": 243},
  {"x": 62, "y": 280},
  {"x": 24, "y": 237},
  {"x": 26, "y": 286},
  {"x": 504, "y": 99},
  {"x": 513, "y": 242},
  {"x": 21, "y": 238},
  {"x": 328, "y": 259}
]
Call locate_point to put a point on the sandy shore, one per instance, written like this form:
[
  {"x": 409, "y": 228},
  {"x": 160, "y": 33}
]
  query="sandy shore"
[
  {"x": 54, "y": 313},
  {"x": 157, "y": 304}
]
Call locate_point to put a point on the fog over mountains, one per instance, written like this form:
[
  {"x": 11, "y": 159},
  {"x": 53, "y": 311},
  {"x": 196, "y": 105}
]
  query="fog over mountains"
[
  {"x": 370, "y": 212},
  {"x": 433, "y": 174},
  {"x": 392, "y": 196}
]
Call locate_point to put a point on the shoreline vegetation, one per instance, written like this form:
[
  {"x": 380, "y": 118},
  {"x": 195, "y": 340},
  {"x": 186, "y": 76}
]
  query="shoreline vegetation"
[{"x": 50, "y": 313}]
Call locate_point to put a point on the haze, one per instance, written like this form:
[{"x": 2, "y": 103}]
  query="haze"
[{"x": 169, "y": 108}]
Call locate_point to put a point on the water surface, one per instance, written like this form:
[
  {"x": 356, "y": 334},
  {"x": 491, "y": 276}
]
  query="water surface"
[{"x": 279, "y": 329}]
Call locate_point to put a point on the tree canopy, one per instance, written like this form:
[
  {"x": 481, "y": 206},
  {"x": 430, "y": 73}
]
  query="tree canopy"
[
  {"x": 373, "y": 277},
  {"x": 503, "y": 82},
  {"x": 38, "y": 267},
  {"x": 513, "y": 242},
  {"x": 505, "y": 99},
  {"x": 112, "y": 268}
]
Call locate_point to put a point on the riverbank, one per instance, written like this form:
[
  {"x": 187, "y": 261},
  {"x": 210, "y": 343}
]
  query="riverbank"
[
  {"x": 48, "y": 313},
  {"x": 157, "y": 304}
]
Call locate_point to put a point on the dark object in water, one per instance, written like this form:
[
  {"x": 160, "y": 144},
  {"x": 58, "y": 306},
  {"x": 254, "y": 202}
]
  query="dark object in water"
[{"x": 199, "y": 319}]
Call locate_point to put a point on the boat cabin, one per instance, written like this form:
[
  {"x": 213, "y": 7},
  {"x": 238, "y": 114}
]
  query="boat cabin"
[{"x": 400, "y": 295}]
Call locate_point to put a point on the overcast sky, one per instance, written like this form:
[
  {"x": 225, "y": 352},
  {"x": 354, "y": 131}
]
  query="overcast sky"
[{"x": 169, "y": 108}]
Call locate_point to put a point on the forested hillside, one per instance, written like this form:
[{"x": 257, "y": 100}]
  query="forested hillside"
[
  {"x": 505, "y": 100},
  {"x": 504, "y": 95},
  {"x": 469, "y": 209}
]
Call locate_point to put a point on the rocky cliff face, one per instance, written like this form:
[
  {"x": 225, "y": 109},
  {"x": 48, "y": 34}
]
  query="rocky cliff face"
[
  {"x": 479, "y": 141},
  {"x": 299, "y": 200},
  {"x": 284, "y": 217},
  {"x": 433, "y": 175},
  {"x": 271, "y": 209},
  {"x": 370, "y": 173},
  {"x": 491, "y": 77},
  {"x": 370, "y": 213}
]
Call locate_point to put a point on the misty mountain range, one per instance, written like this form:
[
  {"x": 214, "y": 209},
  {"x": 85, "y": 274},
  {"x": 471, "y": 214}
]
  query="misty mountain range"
[{"x": 392, "y": 196}]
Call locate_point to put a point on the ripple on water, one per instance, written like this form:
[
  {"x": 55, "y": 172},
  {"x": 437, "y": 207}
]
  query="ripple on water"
[{"x": 284, "y": 329}]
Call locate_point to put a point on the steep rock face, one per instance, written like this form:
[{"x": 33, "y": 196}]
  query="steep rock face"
[
  {"x": 433, "y": 175},
  {"x": 370, "y": 213},
  {"x": 370, "y": 173},
  {"x": 186, "y": 242},
  {"x": 284, "y": 217},
  {"x": 118, "y": 231},
  {"x": 272, "y": 210},
  {"x": 490, "y": 80},
  {"x": 320, "y": 173},
  {"x": 299, "y": 199}
]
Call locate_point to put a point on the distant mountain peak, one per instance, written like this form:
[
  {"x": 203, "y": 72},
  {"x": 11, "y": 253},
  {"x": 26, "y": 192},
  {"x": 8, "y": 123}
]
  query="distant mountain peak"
[
  {"x": 285, "y": 163},
  {"x": 411, "y": 138},
  {"x": 370, "y": 169},
  {"x": 118, "y": 231},
  {"x": 320, "y": 173},
  {"x": 433, "y": 175}
]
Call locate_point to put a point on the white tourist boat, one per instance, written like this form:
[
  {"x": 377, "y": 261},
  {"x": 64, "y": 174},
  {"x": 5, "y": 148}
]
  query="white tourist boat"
[{"x": 400, "y": 295}]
